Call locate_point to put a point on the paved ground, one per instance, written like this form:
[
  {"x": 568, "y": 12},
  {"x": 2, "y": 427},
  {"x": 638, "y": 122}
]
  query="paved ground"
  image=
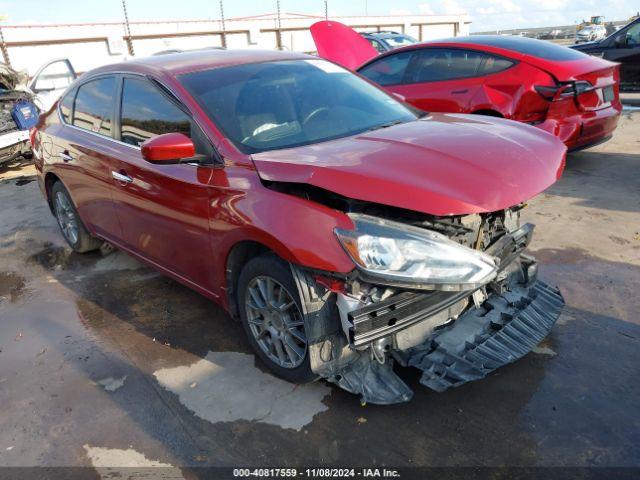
[{"x": 104, "y": 362}]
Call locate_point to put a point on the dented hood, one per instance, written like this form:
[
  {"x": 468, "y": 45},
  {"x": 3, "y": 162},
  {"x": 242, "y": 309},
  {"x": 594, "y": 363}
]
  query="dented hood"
[
  {"x": 341, "y": 44},
  {"x": 440, "y": 165}
]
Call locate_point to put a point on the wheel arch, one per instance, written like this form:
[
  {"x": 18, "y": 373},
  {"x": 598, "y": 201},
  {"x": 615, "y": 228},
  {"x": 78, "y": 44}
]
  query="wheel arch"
[
  {"x": 49, "y": 180},
  {"x": 238, "y": 256}
]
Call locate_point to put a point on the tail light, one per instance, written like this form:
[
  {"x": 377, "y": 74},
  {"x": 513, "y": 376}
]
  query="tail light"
[{"x": 564, "y": 90}]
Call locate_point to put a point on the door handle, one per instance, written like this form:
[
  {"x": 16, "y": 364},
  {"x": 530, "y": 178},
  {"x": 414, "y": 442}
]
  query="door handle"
[
  {"x": 65, "y": 157},
  {"x": 460, "y": 91},
  {"x": 122, "y": 177}
]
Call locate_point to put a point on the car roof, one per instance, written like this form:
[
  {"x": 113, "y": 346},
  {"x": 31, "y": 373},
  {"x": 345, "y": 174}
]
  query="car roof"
[
  {"x": 184, "y": 62},
  {"x": 511, "y": 46},
  {"x": 384, "y": 34}
]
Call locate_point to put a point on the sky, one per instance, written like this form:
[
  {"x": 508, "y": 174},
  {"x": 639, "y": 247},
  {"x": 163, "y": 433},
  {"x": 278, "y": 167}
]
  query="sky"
[{"x": 485, "y": 14}]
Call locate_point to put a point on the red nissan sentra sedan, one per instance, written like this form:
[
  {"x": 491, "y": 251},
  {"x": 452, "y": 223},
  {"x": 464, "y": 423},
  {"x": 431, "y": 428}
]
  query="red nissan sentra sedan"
[
  {"x": 342, "y": 229},
  {"x": 564, "y": 92}
]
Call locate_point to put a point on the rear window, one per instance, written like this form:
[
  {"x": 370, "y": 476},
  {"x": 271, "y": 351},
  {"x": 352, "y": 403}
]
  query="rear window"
[
  {"x": 439, "y": 64},
  {"x": 94, "y": 106},
  {"x": 527, "y": 46},
  {"x": 494, "y": 65}
]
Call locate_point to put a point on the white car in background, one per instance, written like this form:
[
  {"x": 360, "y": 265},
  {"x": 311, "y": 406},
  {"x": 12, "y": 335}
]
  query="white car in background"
[
  {"x": 591, "y": 33},
  {"x": 43, "y": 90}
]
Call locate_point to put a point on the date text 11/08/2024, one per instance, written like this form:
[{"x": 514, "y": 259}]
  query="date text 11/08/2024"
[{"x": 316, "y": 472}]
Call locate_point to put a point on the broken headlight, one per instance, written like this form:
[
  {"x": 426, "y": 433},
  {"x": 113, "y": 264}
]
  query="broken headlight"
[{"x": 396, "y": 253}]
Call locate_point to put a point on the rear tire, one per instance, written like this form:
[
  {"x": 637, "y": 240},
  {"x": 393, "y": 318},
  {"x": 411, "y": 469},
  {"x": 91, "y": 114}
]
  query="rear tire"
[
  {"x": 271, "y": 314},
  {"x": 71, "y": 226}
]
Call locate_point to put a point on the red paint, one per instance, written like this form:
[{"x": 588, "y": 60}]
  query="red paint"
[
  {"x": 440, "y": 165},
  {"x": 337, "y": 41},
  {"x": 167, "y": 148},
  {"x": 185, "y": 219},
  {"x": 510, "y": 93}
]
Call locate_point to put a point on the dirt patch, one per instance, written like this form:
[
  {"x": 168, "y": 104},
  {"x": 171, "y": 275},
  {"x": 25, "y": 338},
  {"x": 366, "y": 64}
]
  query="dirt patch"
[
  {"x": 60, "y": 258},
  {"x": 11, "y": 286}
]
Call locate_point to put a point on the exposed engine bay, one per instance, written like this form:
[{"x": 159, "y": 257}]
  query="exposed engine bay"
[
  {"x": 16, "y": 102},
  {"x": 452, "y": 333}
]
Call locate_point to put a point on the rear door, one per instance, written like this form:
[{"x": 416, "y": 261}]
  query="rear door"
[
  {"x": 163, "y": 209},
  {"x": 431, "y": 79},
  {"x": 81, "y": 147}
]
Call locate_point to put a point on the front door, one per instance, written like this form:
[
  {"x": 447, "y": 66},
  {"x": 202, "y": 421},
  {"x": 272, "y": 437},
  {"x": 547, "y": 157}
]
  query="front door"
[
  {"x": 626, "y": 50},
  {"x": 163, "y": 209}
]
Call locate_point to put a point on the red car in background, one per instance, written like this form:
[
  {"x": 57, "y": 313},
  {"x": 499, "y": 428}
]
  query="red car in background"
[
  {"x": 343, "y": 229},
  {"x": 564, "y": 92}
]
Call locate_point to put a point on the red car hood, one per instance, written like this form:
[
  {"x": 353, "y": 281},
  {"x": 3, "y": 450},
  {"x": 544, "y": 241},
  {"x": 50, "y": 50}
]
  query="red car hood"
[
  {"x": 440, "y": 165},
  {"x": 341, "y": 44}
]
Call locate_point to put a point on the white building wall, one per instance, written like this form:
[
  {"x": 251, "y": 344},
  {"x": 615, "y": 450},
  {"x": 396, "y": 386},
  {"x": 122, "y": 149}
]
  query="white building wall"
[{"x": 92, "y": 45}]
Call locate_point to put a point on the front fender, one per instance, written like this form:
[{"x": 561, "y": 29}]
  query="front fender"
[{"x": 296, "y": 229}]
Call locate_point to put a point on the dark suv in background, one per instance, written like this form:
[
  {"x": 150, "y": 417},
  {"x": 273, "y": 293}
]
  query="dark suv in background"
[
  {"x": 385, "y": 41},
  {"x": 622, "y": 46}
]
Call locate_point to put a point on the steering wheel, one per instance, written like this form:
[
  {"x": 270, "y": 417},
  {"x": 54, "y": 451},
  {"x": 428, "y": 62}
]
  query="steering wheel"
[{"x": 314, "y": 114}]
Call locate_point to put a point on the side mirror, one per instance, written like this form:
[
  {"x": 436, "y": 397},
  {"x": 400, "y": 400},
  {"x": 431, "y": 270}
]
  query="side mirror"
[
  {"x": 168, "y": 148},
  {"x": 621, "y": 41}
]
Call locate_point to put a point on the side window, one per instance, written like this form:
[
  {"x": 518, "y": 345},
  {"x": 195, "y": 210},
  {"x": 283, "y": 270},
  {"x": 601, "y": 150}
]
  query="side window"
[
  {"x": 377, "y": 45},
  {"x": 439, "y": 64},
  {"x": 633, "y": 35},
  {"x": 495, "y": 64},
  {"x": 94, "y": 106},
  {"x": 388, "y": 70},
  {"x": 66, "y": 106},
  {"x": 147, "y": 112}
]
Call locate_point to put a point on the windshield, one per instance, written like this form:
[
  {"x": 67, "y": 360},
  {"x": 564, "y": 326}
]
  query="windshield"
[
  {"x": 400, "y": 40},
  {"x": 274, "y": 105}
]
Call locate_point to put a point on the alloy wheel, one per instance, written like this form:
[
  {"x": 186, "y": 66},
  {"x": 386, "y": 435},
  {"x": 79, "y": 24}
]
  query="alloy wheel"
[
  {"x": 66, "y": 218},
  {"x": 275, "y": 322}
]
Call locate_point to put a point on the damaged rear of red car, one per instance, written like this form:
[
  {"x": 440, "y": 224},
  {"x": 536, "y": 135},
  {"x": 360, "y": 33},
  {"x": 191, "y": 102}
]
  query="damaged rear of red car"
[
  {"x": 344, "y": 230},
  {"x": 575, "y": 97}
]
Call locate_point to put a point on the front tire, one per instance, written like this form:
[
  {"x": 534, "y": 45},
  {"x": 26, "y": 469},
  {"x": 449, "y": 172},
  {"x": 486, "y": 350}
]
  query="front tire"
[
  {"x": 71, "y": 226},
  {"x": 271, "y": 314}
]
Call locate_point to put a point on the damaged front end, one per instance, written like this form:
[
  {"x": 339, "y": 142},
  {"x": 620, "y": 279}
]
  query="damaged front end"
[
  {"x": 455, "y": 297},
  {"x": 17, "y": 112}
]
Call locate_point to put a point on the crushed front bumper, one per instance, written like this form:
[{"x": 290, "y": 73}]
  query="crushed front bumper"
[
  {"x": 452, "y": 337},
  {"x": 503, "y": 330}
]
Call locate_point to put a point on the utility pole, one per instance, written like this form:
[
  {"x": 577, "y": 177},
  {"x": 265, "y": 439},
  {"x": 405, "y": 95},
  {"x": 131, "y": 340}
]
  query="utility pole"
[
  {"x": 326, "y": 10},
  {"x": 279, "y": 29},
  {"x": 127, "y": 29},
  {"x": 5, "y": 51},
  {"x": 3, "y": 44},
  {"x": 223, "y": 38}
]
